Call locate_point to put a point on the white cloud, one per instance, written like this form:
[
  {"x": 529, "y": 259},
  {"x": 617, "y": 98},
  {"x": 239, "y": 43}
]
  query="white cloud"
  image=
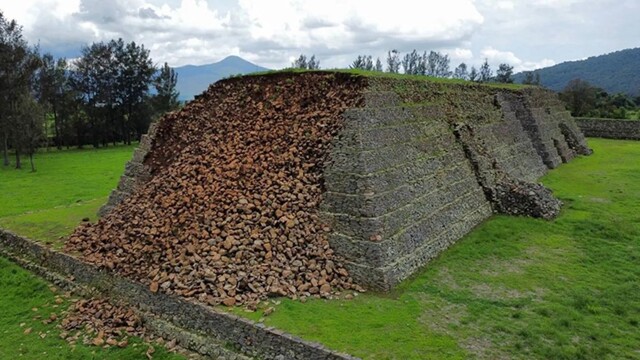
[
  {"x": 197, "y": 31},
  {"x": 338, "y": 27},
  {"x": 496, "y": 57},
  {"x": 271, "y": 32},
  {"x": 459, "y": 54}
]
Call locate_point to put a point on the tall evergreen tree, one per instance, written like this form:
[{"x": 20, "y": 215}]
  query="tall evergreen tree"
[
  {"x": 485, "y": 72},
  {"x": 18, "y": 64},
  {"x": 313, "y": 64},
  {"x": 29, "y": 128},
  {"x": 363, "y": 62},
  {"x": 393, "y": 61},
  {"x": 378, "y": 66},
  {"x": 473, "y": 74},
  {"x": 52, "y": 85},
  {"x": 504, "y": 73},
  {"x": 166, "y": 97},
  {"x": 461, "y": 72},
  {"x": 300, "y": 62},
  {"x": 303, "y": 63},
  {"x": 134, "y": 75},
  {"x": 438, "y": 64},
  {"x": 94, "y": 77},
  {"x": 411, "y": 63}
]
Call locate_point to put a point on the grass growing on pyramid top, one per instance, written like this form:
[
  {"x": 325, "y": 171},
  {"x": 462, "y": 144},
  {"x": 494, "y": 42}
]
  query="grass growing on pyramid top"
[{"x": 378, "y": 74}]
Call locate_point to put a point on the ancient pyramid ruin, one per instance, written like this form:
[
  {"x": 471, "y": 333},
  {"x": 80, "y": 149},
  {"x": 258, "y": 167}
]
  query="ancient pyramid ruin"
[{"x": 302, "y": 184}]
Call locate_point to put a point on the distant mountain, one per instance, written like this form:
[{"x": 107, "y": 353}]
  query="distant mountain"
[
  {"x": 193, "y": 80},
  {"x": 617, "y": 72}
]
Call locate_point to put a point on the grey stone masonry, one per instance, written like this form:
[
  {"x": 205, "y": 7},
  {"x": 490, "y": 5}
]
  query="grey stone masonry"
[
  {"x": 553, "y": 131},
  {"x": 399, "y": 190},
  {"x": 135, "y": 172},
  {"x": 610, "y": 128}
]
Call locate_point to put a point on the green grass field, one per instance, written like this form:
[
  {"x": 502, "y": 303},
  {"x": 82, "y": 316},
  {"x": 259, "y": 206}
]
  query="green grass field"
[
  {"x": 513, "y": 288},
  {"x": 67, "y": 187}
]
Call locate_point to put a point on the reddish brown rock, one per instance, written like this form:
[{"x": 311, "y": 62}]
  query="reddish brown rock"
[{"x": 231, "y": 209}]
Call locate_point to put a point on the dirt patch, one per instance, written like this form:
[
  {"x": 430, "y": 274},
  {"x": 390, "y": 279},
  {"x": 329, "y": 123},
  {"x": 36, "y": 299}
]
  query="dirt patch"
[
  {"x": 496, "y": 267},
  {"x": 499, "y": 292},
  {"x": 440, "y": 316},
  {"x": 444, "y": 277}
]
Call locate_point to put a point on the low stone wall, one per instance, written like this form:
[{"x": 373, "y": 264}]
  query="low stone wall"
[
  {"x": 610, "y": 128},
  {"x": 196, "y": 327}
]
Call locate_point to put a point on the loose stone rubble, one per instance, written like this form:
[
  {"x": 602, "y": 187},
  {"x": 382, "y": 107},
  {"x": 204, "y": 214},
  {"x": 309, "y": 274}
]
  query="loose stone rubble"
[{"x": 230, "y": 213}]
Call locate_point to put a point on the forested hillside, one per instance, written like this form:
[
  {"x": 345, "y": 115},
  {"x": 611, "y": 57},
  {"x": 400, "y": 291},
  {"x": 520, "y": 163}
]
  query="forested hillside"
[{"x": 616, "y": 72}]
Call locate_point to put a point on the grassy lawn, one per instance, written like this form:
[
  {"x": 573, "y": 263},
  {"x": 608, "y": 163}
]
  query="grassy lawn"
[
  {"x": 67, "y": 187},
  {"x": 513, "y": 288}
]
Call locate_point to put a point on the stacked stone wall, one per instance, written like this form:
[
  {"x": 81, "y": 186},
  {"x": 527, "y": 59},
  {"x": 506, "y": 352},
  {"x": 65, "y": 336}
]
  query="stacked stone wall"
[
  {"x": 399, "y": 190},
  {"x": 195, "y": 326},
  {"x": 135, "y": 172},
  {"x": 610, "y": 128}
]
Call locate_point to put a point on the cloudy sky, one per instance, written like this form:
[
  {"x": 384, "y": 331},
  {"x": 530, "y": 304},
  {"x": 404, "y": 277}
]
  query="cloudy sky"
[{"x": 525, "y": 33}]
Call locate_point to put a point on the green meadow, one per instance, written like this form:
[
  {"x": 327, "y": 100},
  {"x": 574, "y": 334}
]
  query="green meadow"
[{"x": 67, "y": 187}]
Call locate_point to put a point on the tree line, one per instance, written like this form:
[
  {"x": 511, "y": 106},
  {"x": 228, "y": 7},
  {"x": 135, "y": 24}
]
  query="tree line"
[
  {"x": 433, "y": 64},
  {"x": 586, "y": 100},
  {"x": 110, "y": 94}
]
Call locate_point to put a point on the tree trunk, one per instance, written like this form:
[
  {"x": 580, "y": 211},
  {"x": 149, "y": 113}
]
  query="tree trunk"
[
  {"x": 5, "y": 150},
  {"x": 33, "y": 168},
  {"x": 46, "y": 133},
  {"x": 18, "y": 162},
  {"x": 57, "y": 129}
]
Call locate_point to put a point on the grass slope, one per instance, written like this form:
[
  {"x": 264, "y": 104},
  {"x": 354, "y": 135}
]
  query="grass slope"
[
  {"x": 67, "y": 187},
  {"x": 514, "y": 287}
]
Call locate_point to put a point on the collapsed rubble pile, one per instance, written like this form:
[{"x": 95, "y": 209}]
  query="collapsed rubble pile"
[
  {"x": 99, "y": 323},
  {"x": 230, "y": 214}
]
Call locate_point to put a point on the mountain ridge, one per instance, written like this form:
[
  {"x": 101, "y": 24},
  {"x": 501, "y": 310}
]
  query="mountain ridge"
[
  {"x": 194, "y": 79},
  {"x": 615, "y": 72}
]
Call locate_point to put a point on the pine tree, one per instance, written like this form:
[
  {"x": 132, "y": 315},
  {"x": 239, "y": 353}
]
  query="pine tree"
[
  {"x": 393, "y": 61},
  {"x": 166, "y": 98},
  {"x": 485, "y": 72},
  {"x": 378, "y": 66},
  {"x": 460, "y": 72},
  {"x": 503, "y": 75}
]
